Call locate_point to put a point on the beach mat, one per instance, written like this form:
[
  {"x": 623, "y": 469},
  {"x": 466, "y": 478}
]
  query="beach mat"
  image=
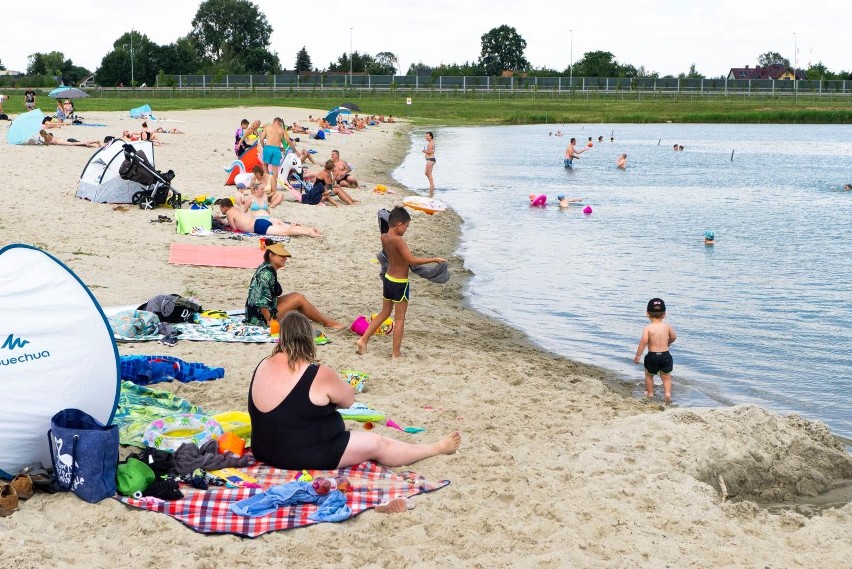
[
  {"x": 215, "y": 256},
  {"x": 209, "y": 511}
]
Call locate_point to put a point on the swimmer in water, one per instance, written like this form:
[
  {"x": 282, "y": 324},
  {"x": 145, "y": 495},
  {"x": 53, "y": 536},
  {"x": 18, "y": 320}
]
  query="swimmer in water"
[
  {"x": 566, "y": 202},
  {"x": 847, "y": 187},
  {"x": 621, "y": 162},
  {"x": 709, "y": 238}
]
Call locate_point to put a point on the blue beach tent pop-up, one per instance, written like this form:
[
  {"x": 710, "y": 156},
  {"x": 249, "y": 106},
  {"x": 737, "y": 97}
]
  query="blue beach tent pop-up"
[{"x": 56, "y": 352}]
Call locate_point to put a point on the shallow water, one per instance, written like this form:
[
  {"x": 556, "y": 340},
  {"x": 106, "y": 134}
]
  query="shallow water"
[{"x": 762, "y": 317}]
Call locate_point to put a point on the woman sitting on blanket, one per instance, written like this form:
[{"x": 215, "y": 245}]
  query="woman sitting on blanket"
[
  {"x": 242, "y": 221},
  {"x": 323, "y": 189},
  {"x": 293, "y": 405},
  {"x": 265, "y": 299}
]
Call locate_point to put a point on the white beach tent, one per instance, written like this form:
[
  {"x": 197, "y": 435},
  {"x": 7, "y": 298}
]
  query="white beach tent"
[
  {"x": 100, "y": 181},
  {"x": 56, "y": 352}
]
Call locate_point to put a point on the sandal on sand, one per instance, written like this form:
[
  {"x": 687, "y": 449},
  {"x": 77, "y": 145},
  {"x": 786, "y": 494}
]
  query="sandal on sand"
[
  {"x": 395, "y": 506},
  {"x": 8, "y": 500},
  {"x": 40, "y": 477},
  {"x": 23, "y": 486}
]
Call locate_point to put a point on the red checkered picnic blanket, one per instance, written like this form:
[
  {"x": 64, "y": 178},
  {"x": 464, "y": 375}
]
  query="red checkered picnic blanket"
[{"x": 209, "y": 511}]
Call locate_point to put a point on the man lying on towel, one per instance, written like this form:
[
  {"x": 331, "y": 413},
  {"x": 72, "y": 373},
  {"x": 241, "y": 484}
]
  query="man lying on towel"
[{"x": 242, "y": 221}]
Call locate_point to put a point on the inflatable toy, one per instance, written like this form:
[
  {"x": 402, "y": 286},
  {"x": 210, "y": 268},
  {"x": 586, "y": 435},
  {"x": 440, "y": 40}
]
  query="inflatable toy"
[
  {"x": 169, "y": 433},
  {"x": 587, "y": 210},
  {"x": 363, "y": 414},
  {"x": 426, "y": 205},
  {"x": 236, "y": 422},
  {"x": 538, "y": 201}
]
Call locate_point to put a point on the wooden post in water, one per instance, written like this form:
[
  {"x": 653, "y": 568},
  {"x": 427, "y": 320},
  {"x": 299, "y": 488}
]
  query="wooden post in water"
[{"x": 732, "y": 155}]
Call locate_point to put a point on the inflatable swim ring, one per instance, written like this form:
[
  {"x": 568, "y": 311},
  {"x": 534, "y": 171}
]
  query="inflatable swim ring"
[
  {"x": 541, "y": 200},
  {"x": 236, "y": 422},
  {"x": 427, "y": 205},
  {"x": 170, "y": 432}
]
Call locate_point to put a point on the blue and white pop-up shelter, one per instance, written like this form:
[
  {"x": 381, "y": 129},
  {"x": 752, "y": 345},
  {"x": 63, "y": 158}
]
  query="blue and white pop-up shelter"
[{"x": 56, "y": 352}]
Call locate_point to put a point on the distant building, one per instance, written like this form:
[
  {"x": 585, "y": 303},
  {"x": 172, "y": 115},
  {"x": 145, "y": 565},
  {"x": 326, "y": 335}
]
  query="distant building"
[
  {"x": 10, "y": 73},
  {"x": 774, "y": 71}
]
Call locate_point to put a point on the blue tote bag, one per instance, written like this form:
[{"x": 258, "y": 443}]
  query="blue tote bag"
[{"x": 84, "y": 454}]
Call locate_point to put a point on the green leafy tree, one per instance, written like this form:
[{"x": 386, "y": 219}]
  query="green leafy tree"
[
  {"x": 693, "y": 74},
  {"x": 303, "y": 61},
  {"x": 503, "y": 50},
  {"x": 383, "y": 64},
  {"x": 772, "y": 58},
  {"x": 361, "y": 62},
  {"x": 596, "y": 64},
  {"x": 115, "y": 66},
  {"x": 419, "y": 68},
  {"x": 54, "y": 64},
  {"x": 456, "y": 70},
  {"x": 230, "y": 33},
  {"x": 178, "y": 58}
]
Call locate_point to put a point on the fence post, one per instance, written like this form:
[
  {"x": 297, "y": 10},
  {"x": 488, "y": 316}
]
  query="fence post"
[
  {"x": 227, "y": 81},
  {"x": 203, "y": 82},
  {"x": 251, "y": 81},
  {"x": 464, "y": 82},
  {"x": 440, "y": 82}
]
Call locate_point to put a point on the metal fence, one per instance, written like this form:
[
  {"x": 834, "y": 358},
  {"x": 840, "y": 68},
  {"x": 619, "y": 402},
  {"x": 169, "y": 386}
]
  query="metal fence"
[{"x": 523, "y": 84}]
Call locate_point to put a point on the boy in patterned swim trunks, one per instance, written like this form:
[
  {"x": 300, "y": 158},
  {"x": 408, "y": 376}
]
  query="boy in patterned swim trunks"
[
  {"x": 657, "y": 337},
  {"x": 395, "y": 285}
]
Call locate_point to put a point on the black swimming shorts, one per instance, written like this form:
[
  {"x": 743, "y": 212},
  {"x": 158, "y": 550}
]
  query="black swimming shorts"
[
  {"x": 395, "y": 290},
  {"x": 261, "y": 225},
  {"x": 431, "y": 160},
  {"x": 658, "y": 362}
]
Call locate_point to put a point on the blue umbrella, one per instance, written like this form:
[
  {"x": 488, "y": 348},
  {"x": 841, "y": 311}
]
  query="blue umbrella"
[
  {"x": 24, "y": 127},
  {"x": 331, "y": 117},
  {"x": 67, "y": 93}
]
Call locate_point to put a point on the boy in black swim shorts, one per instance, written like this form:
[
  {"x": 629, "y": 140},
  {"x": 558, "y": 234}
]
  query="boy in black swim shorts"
[
  {"x": 395, "y": 286},
  {"x": 657, "y": 337}
]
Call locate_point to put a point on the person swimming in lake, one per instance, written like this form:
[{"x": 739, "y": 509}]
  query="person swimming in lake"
[
  {"x": 566, "y": 202},
  {"x": 847, "y": 187},
  {"x": 709, "y": 238},
  {"x": 621, "y": 162}
]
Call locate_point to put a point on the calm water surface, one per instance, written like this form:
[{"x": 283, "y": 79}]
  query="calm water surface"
[{"x": 764, "y": 316}]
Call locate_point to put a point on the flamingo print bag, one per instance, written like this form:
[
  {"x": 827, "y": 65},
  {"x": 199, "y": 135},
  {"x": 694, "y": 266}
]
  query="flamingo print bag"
[{"x": 84, "y": 454}]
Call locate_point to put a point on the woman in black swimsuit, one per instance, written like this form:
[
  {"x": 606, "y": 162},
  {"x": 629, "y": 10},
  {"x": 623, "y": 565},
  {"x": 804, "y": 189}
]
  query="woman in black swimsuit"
[{"x": 293, "y": 406}]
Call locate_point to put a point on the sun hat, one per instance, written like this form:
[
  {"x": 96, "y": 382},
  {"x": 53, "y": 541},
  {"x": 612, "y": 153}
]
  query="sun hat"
[
  {"x": 279, "y": 249},
  {"x": 656, "y": 305},
  {"x": 133, "y": 476},
  {"x": 709, "y": 235}
]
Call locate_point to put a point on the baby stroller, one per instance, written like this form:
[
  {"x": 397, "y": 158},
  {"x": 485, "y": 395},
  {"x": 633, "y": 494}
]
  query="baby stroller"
[{"x": 157, "y": 186}]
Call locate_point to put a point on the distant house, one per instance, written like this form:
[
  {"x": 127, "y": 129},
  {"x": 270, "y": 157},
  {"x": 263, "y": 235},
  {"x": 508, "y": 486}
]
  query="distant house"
[
  {"x": 774, "y": 71},
  {"x": 10, "y": 73},
  {"x": 88, "y": 82}
]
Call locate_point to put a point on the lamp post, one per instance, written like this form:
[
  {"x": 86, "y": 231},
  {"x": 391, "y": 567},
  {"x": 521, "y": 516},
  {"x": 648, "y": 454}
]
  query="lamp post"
[
  {"x": 571, "y": 67},
  {"x": 131, "y": 59},
  {"x": 795, "y": 58},
  {"x": 350, "y": 57}
]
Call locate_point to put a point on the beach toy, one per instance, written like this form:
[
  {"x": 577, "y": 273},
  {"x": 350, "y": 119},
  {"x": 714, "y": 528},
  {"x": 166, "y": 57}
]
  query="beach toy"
[
  {"x": 392, "y": 424},
  {"x": 587, "y": 210},
  {"x": 368, "y": 425},
  {"x": 538, "y": 201},
  {"x": 305, "y": 477},
  {"x": 363, "y": 414},
  {"x": 360, "y": 325},
  {"x": 413, "y": 430},
  {"x": 423, "y": 204},
  {"x": 355, "y": 378},
  {"x": 380, "y": 188},
  {"x": 385, "y": 328},
  {"x": 236, "y": 422},
  {"x": 169, "y": 433},
  {"x": 274, "y": 327},
  {"x": 229, "y": 442}
]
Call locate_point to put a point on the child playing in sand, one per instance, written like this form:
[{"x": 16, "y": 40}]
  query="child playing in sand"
[
  {"x": 395, "y": 287},
  {"x": 657, "y": 337}
]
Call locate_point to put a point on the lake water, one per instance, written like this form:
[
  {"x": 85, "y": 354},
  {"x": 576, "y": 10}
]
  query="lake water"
[{"x": 763, "y": 317}]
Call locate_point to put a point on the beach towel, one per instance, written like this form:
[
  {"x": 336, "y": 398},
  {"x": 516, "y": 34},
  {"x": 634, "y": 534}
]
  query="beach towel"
[
  {"x": 228, "y": 330},
  {"x": 238, "y": 235},
  {"x": 138, "y": 406},
  {"x": 145, "y": 370},
  {"x": 215, "y": 256},
  {"x": 209, "y": 511}
]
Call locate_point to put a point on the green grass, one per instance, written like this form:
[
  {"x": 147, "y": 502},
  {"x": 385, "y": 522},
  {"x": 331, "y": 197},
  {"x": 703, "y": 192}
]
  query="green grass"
[{"x": 433, "y": 108}]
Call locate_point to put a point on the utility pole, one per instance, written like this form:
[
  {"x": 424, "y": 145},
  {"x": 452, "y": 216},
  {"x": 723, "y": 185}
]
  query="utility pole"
[
  {"x": 571, "y": 67},
  {"x": 350, "y": 57},
  {"x": 131, "y": 59},
  {"x": 795, "y": 60}
]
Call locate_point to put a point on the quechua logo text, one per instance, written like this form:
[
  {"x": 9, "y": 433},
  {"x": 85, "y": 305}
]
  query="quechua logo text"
[{"x": 16, "y": 344}]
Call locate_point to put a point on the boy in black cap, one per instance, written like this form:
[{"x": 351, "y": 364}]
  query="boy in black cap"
[{"x": 657, "y": 337}]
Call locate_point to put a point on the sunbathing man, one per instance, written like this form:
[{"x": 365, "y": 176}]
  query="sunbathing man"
[
  {"x": 343, "y": 172},
  {"x": 299, "y": 129},
  {"x": 242, "y": 221}
]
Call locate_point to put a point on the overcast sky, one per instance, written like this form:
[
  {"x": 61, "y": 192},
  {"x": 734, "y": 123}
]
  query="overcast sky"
[{"x": 663, "y": 35}]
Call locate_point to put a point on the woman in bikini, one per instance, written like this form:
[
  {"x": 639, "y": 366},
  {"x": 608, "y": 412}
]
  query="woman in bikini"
[{"x": 429, "y": 152}]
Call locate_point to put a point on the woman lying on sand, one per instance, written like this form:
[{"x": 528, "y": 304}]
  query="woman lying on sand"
[
  {"x": 266, "y": 300},
  {"x": 51, "y": 140},
  {"x": 293, "y": 405}
]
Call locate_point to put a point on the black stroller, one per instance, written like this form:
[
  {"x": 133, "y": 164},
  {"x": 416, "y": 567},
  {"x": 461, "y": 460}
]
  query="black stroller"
[{"x": 157, "y": 186}]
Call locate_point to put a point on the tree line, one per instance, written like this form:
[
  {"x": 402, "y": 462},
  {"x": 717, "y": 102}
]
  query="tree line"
[{"x": 231, "y": 37}]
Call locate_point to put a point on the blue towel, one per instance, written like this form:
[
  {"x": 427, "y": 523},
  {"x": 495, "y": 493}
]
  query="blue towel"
[
  {"x": 332, "y": 508},
  {"x": 145, "y": 370}
]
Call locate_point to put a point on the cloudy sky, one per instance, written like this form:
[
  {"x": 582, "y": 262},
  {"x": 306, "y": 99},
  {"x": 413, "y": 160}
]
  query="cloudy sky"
[{"x": 663, "y": 35}]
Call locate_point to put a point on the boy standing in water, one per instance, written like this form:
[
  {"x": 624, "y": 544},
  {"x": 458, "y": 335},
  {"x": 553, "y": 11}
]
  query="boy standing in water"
[
  {"x": 657, "y": 337},
  {"x": 395, "y": 286}
]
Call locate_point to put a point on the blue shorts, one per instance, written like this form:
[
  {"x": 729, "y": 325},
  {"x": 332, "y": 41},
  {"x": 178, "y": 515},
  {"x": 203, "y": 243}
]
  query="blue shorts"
[
  {"x": 261, "y": 225},
  {"x": 569, "y": 163},
  {"x": 272, "y": 155}
]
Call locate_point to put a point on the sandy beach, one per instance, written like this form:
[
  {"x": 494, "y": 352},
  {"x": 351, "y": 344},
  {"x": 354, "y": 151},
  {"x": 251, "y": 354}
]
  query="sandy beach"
[{"x": 557, "y": 467}]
